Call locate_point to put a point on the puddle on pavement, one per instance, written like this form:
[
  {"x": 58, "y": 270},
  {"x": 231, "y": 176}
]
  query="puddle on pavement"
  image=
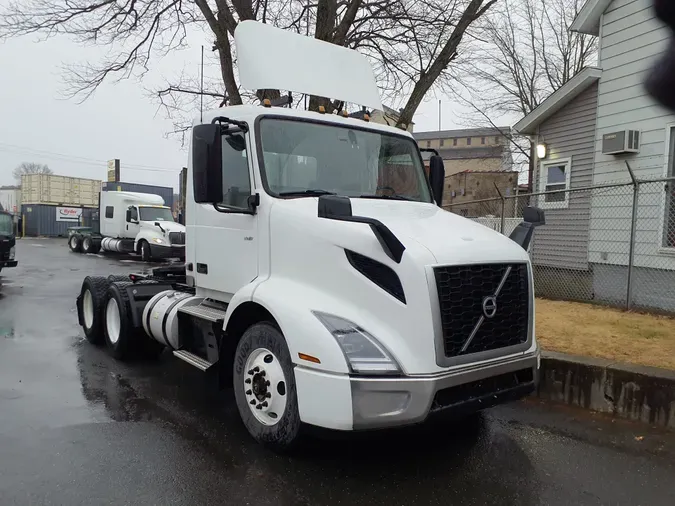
[{"x": 6, "y": 331}]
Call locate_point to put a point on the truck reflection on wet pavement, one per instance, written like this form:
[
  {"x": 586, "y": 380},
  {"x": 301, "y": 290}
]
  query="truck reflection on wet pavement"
[{"x": 76, "y": 427}]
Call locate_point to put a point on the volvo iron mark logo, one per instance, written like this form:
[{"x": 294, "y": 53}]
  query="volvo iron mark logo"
[{"x": 490, "y": 307}]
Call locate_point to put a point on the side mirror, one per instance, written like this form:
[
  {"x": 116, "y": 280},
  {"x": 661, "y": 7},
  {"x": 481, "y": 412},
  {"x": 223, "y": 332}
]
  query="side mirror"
[
  {"x": 534, "y": 215},
  {"x": 128, "y": 215},
  {"x": 207, "y": 160},
  {"x": 523, "y": 233},
  {"x": 437, "y": 178}
]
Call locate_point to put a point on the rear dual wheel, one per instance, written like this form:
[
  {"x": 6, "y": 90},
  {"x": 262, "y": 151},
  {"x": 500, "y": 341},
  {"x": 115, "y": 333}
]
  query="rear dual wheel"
[
  {"x": 106, "y": 317},
  {"x": 125, "y": 341},
  {"x": 90, "y": 246},
  {"x": 75, "y": 243},
  {"x": 92, "y": 300}
]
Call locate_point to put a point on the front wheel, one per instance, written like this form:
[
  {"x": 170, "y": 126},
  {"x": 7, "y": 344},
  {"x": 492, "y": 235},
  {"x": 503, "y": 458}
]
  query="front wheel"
[
  {"x": 264, "y": 387},
  {"x": 145, "y": 251}
]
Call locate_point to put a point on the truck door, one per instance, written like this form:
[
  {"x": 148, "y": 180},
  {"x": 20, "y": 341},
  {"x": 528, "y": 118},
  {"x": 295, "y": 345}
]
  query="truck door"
[
  {"x": 132, "y": 226},
  {"x": 226, "y": 249}
]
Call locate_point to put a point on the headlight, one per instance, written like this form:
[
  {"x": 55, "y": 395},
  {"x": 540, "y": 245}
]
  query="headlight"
[
  {"x": 12, "y": 253},
  {"x": 362, "y": 351},
  {"x": 158, "y": 240}
]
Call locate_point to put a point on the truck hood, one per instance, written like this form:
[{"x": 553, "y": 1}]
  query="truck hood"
[
  {"x": 169, "y": 226},
  {"x": 450, "y": 238}
]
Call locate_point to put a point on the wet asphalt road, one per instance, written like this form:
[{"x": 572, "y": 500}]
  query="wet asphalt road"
[{"x": 76, "y": 427}]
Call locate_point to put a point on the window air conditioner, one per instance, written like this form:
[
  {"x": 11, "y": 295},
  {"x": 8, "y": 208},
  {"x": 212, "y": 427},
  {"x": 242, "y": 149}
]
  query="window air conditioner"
[{"x": 622, "y": 142}]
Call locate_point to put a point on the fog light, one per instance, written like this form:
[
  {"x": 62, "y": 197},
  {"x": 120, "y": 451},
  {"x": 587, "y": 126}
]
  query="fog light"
[{"x": 369, "y": 404}]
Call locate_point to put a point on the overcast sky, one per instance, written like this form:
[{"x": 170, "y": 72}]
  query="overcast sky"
[{"x": 120, "y": 121}]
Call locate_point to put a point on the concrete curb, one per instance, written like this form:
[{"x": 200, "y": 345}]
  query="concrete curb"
[{"x": 634, "y": 392}]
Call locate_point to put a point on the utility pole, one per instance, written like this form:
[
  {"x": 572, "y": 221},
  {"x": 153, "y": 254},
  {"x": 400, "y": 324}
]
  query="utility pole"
[{"x": 439, "y": 115}]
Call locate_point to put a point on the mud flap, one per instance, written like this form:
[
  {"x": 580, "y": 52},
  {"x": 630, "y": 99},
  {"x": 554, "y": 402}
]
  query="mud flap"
[{"x": 78, "y": 305}]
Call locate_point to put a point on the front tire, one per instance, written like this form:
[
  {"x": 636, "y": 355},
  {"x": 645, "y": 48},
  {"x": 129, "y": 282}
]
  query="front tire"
[
  {"x": 75, "y": 243},
  {"x": 145, "y": 251},
  {"x": 264, "y": 387}
]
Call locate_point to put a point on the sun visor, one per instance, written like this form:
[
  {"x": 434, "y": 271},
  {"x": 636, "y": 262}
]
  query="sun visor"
[{"x": 271, "y": 58}]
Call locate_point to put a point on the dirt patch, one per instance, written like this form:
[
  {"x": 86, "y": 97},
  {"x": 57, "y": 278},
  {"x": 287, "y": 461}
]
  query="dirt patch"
[{"x": 585, "y": 329}]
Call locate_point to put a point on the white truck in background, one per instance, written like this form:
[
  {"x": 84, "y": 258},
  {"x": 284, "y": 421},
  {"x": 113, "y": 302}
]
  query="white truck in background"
[
  {"x": 131, "y": 222},
  {"x": 323, "y": 281}
]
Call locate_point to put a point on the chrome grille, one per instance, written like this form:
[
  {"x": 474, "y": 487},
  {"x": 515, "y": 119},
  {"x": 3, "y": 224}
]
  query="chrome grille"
[{"x": 483, "y": 307}]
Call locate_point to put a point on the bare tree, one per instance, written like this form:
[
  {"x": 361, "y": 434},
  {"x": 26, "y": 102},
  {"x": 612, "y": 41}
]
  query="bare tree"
[
  {"x": 30, "y": 168},
  {"x": 524, "y": 51},
  {"x": 412, "y": 42}
]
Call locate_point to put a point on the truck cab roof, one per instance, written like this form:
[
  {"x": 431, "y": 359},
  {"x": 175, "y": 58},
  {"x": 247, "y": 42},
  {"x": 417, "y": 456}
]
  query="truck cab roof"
[{"x": 250, "y": 113}]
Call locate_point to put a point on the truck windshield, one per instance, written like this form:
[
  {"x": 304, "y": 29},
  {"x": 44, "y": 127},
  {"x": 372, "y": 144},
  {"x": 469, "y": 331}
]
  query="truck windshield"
[
  {"x": 6, "y": 225},
  {"x": 155, "y": 214},
  {"x": 303, "y": 158}
]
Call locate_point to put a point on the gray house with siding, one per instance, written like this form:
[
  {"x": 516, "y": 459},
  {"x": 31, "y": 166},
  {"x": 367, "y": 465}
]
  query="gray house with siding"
[{"x": 589, "y": 231}]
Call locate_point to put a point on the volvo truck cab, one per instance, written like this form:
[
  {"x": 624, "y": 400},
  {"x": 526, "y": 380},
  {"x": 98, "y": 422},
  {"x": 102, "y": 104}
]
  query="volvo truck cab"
[{"x": 323, "y": 281}]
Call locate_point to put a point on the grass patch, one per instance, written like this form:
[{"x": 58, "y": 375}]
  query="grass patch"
[{"x": 595, "y": 331}]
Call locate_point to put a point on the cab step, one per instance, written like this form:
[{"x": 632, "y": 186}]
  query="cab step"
[
  {"x": 205, "y": 312},
  {"x": 193, "y": 360}
]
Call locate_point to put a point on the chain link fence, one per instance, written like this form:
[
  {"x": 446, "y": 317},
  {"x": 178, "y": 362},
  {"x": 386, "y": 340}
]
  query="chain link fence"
[{"x": 610, "y": 244}]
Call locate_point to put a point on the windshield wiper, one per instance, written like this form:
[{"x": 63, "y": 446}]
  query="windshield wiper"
[
  {"x": 390, "y": 197},
  {"x": 308, "y": 193}
]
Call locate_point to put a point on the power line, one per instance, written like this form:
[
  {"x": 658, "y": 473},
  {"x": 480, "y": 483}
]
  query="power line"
[{"x": 78, "y": 159}]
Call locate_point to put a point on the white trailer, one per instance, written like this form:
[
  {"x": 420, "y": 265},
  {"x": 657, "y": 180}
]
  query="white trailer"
[
  {"x": 132, "y": 222},
  {"x": 322, "y": 282}
]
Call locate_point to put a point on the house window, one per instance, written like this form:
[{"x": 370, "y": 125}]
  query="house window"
[
  {"x": 109, "y": 211},
  {"x": 454, "y": 142},
  {"x": 482, "y": 140},
  {"x": 554, "y": 176},
  {"x": 428, "y": 144},
  {"x": 468, "y": 141},
  {"x": 442, "y": 142},
  {"x": 669, "y": 218},
  {"x": 497, "y": 139}
]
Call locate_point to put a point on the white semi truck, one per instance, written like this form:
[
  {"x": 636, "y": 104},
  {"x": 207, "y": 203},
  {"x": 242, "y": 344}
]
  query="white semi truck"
[
  {"x": 323, "y": 282},
  {"x": 131, "y": 222}
]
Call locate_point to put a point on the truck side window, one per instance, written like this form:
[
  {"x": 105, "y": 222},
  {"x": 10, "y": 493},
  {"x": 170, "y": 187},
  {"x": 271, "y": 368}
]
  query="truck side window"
[
  {"x": 236, "y": 179},
  {"x": 134, "y": 214},
  {"x": 109, "y": 211}
]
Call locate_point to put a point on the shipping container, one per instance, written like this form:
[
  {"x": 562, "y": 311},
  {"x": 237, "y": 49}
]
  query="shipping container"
[
  {"x": 44, "y": 220},
  {"x": 10, "y": 199},
  {"x": 163, "y": 191},
  {"x": 61, "y": 190}
]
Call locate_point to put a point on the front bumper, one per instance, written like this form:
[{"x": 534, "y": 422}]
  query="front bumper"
[
  {"x": 8, "y": 263},
  {"x": 157, "y": 251},
  {"x": 389, "y": 402}
]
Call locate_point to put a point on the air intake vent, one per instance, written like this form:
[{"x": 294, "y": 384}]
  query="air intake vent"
[{"x": 380, "y": 274}]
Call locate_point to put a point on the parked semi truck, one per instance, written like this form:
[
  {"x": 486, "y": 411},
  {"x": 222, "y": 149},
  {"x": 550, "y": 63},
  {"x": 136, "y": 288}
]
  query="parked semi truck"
[
  {"x": 131, "y": 222},
  {"x": 323, "y": 281},
  {"x": 7, "y": 241}
]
